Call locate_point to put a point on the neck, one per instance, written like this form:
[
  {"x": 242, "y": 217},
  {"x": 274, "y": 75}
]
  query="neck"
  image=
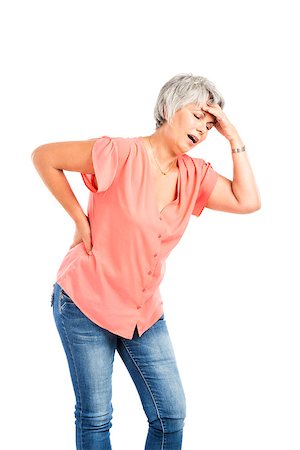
[{"x": 163, "y": 148}]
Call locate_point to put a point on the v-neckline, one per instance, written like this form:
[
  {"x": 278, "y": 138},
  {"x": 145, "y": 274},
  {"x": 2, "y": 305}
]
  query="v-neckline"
[{"x": 150, "y": 177}]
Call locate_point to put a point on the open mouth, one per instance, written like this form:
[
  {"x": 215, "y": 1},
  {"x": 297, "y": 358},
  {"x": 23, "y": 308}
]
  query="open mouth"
[{"x": 193, "y": 138}]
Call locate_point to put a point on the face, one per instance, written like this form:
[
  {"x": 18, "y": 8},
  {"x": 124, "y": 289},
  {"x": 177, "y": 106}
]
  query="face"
[{"x": 190, "y": 121}]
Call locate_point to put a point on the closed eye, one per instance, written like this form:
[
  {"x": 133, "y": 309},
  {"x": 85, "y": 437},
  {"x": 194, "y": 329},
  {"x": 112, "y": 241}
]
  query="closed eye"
[
  {"x": 208, "y": 128},
  {"x": 198, "y": 117}
]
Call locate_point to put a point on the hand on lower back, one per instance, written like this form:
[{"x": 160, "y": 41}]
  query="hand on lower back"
[{"x": 83, "y": 234}]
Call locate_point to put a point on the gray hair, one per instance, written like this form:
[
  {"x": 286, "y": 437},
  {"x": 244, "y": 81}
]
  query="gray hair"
[{"x": 181, "y": 90}]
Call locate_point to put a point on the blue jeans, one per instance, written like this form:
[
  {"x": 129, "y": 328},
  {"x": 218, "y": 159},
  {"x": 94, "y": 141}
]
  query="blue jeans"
[{"x": 150, "y": 361}]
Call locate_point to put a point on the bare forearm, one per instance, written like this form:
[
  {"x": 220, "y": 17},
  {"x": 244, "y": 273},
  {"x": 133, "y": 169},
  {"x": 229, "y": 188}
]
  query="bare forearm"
[
  {"x": 243, "y": 184},
  {"x": 57, "y": 183}
]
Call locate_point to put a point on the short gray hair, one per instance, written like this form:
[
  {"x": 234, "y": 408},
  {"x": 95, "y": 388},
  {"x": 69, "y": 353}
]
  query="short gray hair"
[{"x": 181, "y": 90}]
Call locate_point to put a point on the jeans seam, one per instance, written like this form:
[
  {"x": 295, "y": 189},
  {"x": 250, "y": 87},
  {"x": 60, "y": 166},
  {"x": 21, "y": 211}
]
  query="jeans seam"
[
  {"x": 148, "y": 387},
  {"x": 52, "y": 294},
  {"x": 77, "y": 380}
]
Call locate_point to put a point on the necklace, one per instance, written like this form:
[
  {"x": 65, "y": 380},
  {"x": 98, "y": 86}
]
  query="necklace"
[{"x": 164, "y": 172}]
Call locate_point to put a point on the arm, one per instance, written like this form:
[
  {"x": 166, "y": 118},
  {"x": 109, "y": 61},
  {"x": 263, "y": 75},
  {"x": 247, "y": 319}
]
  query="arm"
[
  {"x": 240, "y": 195},
  {"x": 50, "y": 160}
]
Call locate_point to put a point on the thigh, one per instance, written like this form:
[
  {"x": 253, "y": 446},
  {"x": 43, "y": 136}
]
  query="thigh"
[
  {"x": 151, "y": 362},
  {"x": 90, "y": 352}
]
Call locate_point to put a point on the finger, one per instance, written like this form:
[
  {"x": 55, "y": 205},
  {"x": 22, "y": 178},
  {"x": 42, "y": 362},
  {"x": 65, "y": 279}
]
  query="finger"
[
  {"x": 213, "y": 109},
  {"x": 213, "y": 105},
  {"x": 88, "y": 247},
  {"x": 209, "y": 107},
  {"x": 214, "y": 112}
]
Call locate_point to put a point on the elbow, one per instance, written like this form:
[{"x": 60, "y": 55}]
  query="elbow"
[
  {"x": 250, "y": 208},
  {"x": 250, "y": 205},
  {"x": 256, "y": 205},
  {"x": 35, "y": 155}
]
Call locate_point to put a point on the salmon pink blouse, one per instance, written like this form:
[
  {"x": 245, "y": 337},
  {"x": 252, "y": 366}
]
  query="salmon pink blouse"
[{"x": 117, "y": 287}]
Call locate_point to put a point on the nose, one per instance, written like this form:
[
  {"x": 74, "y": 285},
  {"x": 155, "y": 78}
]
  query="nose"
[{"x": 200, "y": 131}]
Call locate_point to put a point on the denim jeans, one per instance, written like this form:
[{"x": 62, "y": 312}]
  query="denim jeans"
[{"x": 150, "y": 361}]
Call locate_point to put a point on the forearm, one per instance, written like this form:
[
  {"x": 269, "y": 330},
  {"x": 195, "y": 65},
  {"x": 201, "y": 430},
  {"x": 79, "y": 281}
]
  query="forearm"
[
  {"x": 243, "y": 184},
  {"x": 57, "y": 183}
]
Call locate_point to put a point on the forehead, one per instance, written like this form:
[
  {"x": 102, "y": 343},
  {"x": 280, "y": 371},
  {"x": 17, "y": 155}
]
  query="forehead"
[{"x": 198, "y": 108}]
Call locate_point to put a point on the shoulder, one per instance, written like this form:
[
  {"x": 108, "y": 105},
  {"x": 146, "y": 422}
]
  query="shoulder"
[
  {"x": 199, "y": 168},
  {"x": 196, "y": 161},
  {"x": 124, "y": 146},
  {"x": 200, "y": 163},
  {"x": 122, "y": 141},
  {"x": 112, "y": 149},
  {"x": 193, "y": 164}
]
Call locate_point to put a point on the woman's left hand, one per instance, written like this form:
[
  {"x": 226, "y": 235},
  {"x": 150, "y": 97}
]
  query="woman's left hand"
[{"x": 223, "y": 125}]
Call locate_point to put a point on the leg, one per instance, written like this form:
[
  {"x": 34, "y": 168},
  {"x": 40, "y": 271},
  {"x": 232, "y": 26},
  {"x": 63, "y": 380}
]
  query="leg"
[
  {"x": 90, "y": 352},
  {"x": 151, "y": 363}
]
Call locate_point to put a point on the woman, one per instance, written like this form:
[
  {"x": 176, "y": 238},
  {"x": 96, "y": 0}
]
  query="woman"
[{"x": 106, "y": 295}]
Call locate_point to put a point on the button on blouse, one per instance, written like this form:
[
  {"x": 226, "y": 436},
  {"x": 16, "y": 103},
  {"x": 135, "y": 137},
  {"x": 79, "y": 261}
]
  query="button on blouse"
[{"x": 118, "y": 286}]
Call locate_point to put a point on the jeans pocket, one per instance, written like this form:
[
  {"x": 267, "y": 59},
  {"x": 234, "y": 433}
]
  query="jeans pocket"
[{"x": 65, "y": 299}]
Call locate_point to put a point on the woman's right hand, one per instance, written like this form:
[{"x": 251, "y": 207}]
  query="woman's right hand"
[{"x": 83, "y": 234}]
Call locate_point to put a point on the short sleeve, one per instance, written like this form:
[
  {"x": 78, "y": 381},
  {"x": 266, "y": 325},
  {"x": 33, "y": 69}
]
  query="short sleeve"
[
  {"x": 208, "y": 180},
  {"x": 105, "y": 162}
]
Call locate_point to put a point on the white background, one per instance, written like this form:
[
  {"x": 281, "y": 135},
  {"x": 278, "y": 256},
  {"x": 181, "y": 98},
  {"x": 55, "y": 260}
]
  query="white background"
[{"x": 75, "y": 70}]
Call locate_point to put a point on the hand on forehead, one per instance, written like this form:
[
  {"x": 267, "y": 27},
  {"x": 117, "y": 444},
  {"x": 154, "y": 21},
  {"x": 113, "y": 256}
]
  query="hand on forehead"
[{"x": 202, "y": 106}]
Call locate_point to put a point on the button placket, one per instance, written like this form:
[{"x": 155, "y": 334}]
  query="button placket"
[{"x": 155, "y": 255}]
